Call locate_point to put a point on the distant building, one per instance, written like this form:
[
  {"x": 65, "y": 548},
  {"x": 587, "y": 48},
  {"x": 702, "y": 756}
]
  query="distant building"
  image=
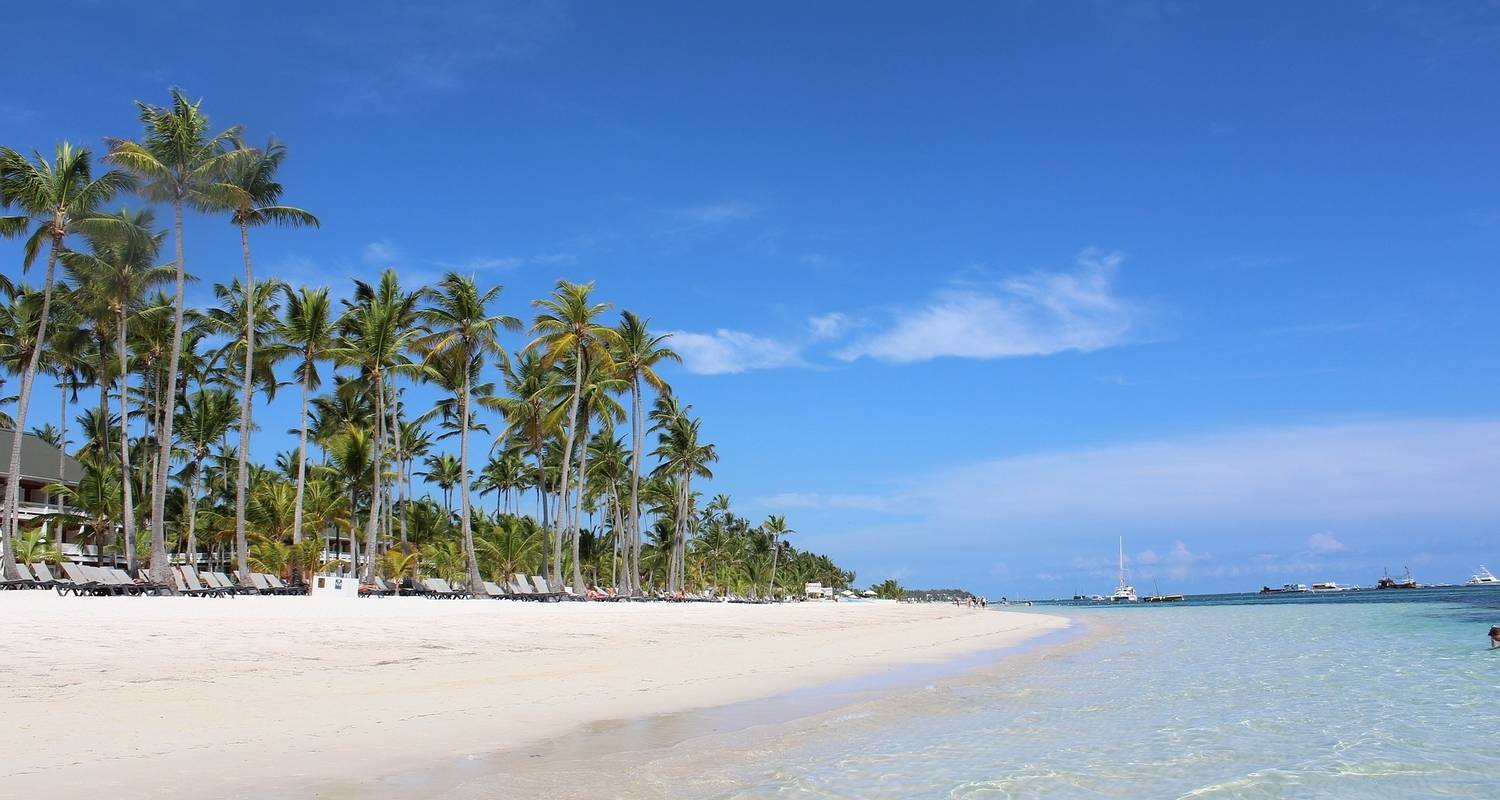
[{"x": 40, "y": 463}]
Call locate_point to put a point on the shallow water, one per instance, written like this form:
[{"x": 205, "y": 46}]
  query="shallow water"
[{"x": 1389, "y": 695}]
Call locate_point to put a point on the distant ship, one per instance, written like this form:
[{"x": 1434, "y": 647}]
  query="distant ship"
[
  {"x": 1124, "y": 593},
  {"x": 1286, "y": 588},
  {"x": 1330, "y": 586},
  {"x": 1482, "y": 578},
  {"x": 1387, "y": 582}
]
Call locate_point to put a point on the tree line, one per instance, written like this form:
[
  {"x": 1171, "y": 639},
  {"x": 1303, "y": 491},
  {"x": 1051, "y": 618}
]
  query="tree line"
[{"x": 167, "y": 397}]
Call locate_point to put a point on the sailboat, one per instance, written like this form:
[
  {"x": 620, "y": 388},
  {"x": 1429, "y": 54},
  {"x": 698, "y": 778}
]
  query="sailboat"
[{"x": 1124, "y": 593}]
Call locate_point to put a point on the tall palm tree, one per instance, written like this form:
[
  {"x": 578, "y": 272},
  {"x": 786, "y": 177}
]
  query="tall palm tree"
[
  {"x": 307, "y": 330},
  {"x": 775, "y": 527},
  {"x": 637, "y": 355},
  {"x": 112, "y": 277},
  {"x": 251, "y": 193},
  {"x": 244, "y": 311},
  {"x": 203, "y": 420},
  {"x": 528, "y": 417},
  {"x": 178, "y": 161},
  {"x": 568, "y": 326},
  {"x": 595, "y": 399},
  {"x": 462, "y": 329},
  {"x": 684, "y": 457},
  {"x": 374, "y": 337},
  {"x": 59, "y": 197}
]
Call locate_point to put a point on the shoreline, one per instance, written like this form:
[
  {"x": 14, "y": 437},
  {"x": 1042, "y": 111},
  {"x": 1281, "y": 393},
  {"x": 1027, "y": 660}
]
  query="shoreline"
[
  {"x": 261, "y": 693},
  {"x": 700, "y": 731}
]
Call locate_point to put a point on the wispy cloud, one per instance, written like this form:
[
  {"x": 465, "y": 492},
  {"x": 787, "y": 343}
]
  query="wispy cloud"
[
  {"x": 1030, "y": 315},
  {"x": 396, "y": 51},
  {"x": 1323, "y": 543},
  {"x": 715, "y": 213},
  {"x": 725, "y": 352},
  {"x": 380, "y": 253},
  {"x": 15, "y": 115},
  {"x": 1353, "y": 472}
]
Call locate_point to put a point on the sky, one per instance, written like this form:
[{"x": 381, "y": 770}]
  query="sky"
[{"x": 968, "y": 291}]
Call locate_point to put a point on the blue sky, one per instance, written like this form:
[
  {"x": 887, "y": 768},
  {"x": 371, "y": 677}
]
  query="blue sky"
[{"x": 967, "y": 290}]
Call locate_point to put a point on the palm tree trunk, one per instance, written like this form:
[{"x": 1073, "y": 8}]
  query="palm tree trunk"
[
  {"x": 28, "y": 377},
  {"x": 568, "y": 440},
  {"x": 192, "y": 502},
  {"x": 301, "y": 462},
  {"x": 541, "y": 502},
  {"x": 247, "y": 385},
  {"x": 127, "y": 491},
  {"x": 161, "y": 568},
  {"x": 775, "y": 551},
  {"x": 62, "y": 448},
  {"x": 583, "y": 465},
  {"x": 476, "y": 581},
  {"x": 637, "y": 433},
  {"x": 372, "y": 525}
]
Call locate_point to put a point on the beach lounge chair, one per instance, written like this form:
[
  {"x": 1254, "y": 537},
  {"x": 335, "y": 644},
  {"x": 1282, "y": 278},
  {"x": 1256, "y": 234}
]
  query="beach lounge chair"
[
  {"x": 279, "y": 587},
  {"x": 113, "y": 583},
  {"x": 187, "y": 584},
  {"x": 521, "y": 587},
  {"x": 25, "y": 581},
  {"x": 143, "y": 584},
  {"x": 79, "y": 582},
  {"x": 220, "y": 581},
  {"x": 438, "y": 587},
  {"x": 43, "y": 575},
  {"x": 544, "y": 591}
]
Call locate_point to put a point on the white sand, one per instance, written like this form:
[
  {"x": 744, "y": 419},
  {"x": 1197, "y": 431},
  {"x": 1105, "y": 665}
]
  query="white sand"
[{"x": 234, "y": 697}]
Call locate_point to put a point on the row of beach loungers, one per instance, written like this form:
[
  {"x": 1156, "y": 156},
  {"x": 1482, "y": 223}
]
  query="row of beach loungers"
[{"x": 82, "y": 579}]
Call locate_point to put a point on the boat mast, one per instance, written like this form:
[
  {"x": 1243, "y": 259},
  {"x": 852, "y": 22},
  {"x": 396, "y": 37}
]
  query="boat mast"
[{"x": 1122, "y": 562}]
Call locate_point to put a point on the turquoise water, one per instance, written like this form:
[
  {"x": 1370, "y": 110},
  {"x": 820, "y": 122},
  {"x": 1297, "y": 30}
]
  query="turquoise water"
[{"x": 1391, "y": 695}]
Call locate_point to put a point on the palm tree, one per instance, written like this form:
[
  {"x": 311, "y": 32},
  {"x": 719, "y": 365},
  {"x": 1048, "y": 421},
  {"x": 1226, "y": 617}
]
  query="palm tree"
[
  {"x": 637, "y": 354},
  {"x": 244, "y": 310},
  {"x": 374, "y": 337},
  {"x": 307, "y": 329},
  {"x": 204, "y": 419},
  {"x": 462, "y": 329},
  {"x": 502, "y": 474},
  {"x": 112, "y": 277},
  {"x": 444, "y": 471},
  {"x": 595, "y": 399},
  {"x": 251, "y": 193},
  {"x": 566, "y": 326},
  {"x": 59, "y": 196},
  {"x": 775, "y": 527},
  {"x": 684, "y": 457},
  {"x": 525, "y": 410},
  {"x": 178, "y": 160}
]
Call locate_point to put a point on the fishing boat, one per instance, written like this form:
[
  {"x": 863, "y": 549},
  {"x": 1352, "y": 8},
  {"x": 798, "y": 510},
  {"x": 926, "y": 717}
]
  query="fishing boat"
[
  {"x": 1124, "y": 593},
  {"x": 1482, "y": 578},
  {"x": 1387, "y": 582}
]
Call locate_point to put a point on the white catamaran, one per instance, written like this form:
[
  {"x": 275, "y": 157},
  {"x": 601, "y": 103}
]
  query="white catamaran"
[{"x": 1124, "y": 593}]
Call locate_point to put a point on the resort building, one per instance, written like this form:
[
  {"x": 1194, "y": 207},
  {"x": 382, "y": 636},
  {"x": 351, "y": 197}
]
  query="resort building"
[{"x": 41, "y": 466}]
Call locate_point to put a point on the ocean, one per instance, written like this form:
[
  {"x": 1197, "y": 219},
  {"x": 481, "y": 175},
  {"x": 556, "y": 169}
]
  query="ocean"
[{"x": 1390, "y": 694}]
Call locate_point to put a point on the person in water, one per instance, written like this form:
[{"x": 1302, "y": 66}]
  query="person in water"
[{"x": 1494, "y": 636}]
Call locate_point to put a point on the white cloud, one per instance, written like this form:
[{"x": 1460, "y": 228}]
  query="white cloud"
[
  {"x": 1035, "y": 314},
  {"x": 381, "y": 253},
  {"x": 829, "y": 326},
  {"x": 1324, "y": 543},
  {"x": 716, "y": 213},
  {"x": 727, "y": 351},
  {"x": 1355, "y": 473}
]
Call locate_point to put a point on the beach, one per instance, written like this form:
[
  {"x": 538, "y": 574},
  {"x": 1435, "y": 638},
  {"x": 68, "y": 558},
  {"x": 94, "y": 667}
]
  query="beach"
[{"x": 264, "y": 695}]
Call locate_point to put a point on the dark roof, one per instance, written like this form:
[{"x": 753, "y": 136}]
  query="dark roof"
[{"x": 38, "y": 460}]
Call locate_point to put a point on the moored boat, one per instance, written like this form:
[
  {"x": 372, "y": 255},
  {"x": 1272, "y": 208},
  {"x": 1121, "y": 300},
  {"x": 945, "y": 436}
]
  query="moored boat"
[
  {"x": 1482, "y": 578},
  {"x": 1387, "y": 582},
  {"x": 1124, "y": 593}
]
